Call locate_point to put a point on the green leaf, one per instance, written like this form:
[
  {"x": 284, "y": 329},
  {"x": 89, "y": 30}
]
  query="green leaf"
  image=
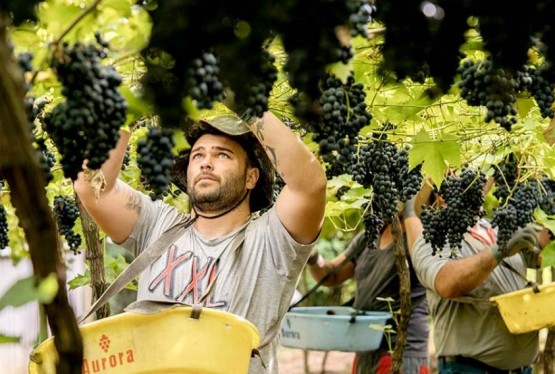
[
  {"x": 341, "y": 71},
  {"x": 9, "y": 339},
  {"x": 548, "y": 255},
  {"x": 27, "y": 290},
  {"x": 543, "y": 219},
  {"x": 80, "y": 280},
  {"x": 136, "y": 107},
  {"x": 436, "y": 155},
  {"x": 524, "y": 105}
]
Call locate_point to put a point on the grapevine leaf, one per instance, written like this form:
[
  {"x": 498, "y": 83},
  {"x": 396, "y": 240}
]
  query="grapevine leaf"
[
  {"x": 543, "y": 219},
  {"x": 80, "y": 280},
  {"x": 338, "y": 208},
  {"x": 341, "y": 71},
  {"x": 436, "y": 155},
  {"x": 136, "y": 107},
  {"x": 524, "y": 105},
  {"x": 27, "y": 290},
  {"x": 9, "y": 339},
  {"x": 121, "y": 7},
  {"x": 548, "y": 255}
]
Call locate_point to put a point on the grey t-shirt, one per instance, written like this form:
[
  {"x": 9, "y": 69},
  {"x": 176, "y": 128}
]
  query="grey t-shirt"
[
  {"x": 257, "y": 281},
  {"x": 475, "y": 329},
  {"x": 376, "y": 277}
]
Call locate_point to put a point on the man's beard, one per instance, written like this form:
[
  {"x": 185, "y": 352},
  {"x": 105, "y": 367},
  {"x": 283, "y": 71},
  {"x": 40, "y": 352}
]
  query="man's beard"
[{"x": 220, "y": 199}]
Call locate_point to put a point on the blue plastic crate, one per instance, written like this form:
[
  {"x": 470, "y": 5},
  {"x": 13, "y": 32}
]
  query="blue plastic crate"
[{"x": 334, "y": 328}]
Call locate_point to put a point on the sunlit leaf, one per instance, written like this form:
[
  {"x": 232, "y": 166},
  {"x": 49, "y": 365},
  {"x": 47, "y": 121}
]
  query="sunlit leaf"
[
  {"x": 27, "y": 290},
  {"x": 436, "y": 155}
]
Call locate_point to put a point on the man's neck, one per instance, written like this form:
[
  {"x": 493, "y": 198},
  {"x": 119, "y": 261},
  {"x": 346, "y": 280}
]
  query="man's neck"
[{"x": 229, "y": 222}]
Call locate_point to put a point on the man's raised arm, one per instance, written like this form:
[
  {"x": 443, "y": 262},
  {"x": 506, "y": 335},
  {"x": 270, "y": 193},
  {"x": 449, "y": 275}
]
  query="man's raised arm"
[
  {"x": 301, "y": 203},
  {"x": 117, "y": 208}
]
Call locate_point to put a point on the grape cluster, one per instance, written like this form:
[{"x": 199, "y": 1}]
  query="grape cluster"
[
  {"x": 373, "y": 224},
  {"x": 344, "y": 114},
  {"x": 383, "y": 167},
  {"x": 534, "y": 81},
  {"x": 155, "y": 159},
  {"x": 20, "y": 11},
  {"x": 4, "y": 240},
  {"x": 505, "y": 177},
  {"x": 517, "y": 212},
  {"x": 360, "y": 16},
  {"x": 482, "y": 84},
  {"x": 47, "y": 159},
  {"x": 202, "y": 82},
  {"x": 33, "y": 109},
  {"x": 255, "y": 101},
  {"x": 343, "y": 54},
  {"x": 238, "y": 36},
  {"x": 126, "y": 157},
  {"x": 463, "y": 198},
  {"x": 66, "y": 213},
  {"x": 86, "y": 125}
]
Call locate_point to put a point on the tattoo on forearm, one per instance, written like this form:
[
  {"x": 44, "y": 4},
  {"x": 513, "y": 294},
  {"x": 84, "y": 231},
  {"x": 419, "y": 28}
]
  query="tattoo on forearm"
[
  {"x": 272, "y": 154},
  {"x": 134, "y": 202},
  {"x": 258, "y": 128}
]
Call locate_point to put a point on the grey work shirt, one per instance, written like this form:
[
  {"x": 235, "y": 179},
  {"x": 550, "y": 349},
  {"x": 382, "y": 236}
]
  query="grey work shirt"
[
  {"x": 475, "y": 329},
  {"x": 256, "y": 282}
]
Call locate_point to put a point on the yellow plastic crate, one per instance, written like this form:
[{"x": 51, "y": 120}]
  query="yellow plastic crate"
[
  {"x": 526, "y": 310},
  {"x": 169, "y": 341}
]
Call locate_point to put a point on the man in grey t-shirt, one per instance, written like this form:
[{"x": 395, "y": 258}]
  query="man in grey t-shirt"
[
  {"x": 469, "y": 333},
  {"x": 227, "y": 175}
]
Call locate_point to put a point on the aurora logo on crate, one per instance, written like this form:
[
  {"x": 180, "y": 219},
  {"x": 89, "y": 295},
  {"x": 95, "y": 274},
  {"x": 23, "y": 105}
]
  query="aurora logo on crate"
[
  {"x": 109, "y": 360},
  {"x": 290, "y": 334}
]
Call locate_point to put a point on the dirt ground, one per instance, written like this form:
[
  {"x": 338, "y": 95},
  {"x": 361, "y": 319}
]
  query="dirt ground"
[{"x": 291, "y": 361}]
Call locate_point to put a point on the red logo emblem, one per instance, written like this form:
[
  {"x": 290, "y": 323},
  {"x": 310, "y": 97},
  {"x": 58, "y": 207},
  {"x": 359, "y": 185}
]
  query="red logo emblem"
[{"x": 104, "y": 343}]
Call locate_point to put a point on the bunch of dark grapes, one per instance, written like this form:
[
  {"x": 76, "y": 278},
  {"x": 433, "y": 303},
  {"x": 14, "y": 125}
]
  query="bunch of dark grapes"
[
  {"x": 360, "y": 17},
  {"x": 34, "y": 108},
  {"x": 384, "y": 168},
  {"x": 344, "y": 54},
  {"x": 308, "y": 57},
  {"x": 344, "y": 114},
  {"x": 407, "y": 182},
  {"x": 126, "y": 157},
  {"x": 47, "y": 159},
  {"x": 155, "y": 159},
  {"x": 483, "y": 84},
  {"x": 373, "y": 224},
  {"x": 534, "y": 81},
  {"x": 66, "y": 213},
  {"x": 86, "y": 125},
  {"x": 341, "y": 191},
  {"x": 463, "y": 197},
  {"x": 20, "y": 11},
  {"x": 277, "y": 187},
  {"x": 547, "y": 200},
  {"x": 517, "y": 212},
  {"x": 505, "y": 177},
  {"x": 255, "y": 101},
  {"x": 4, "y": 240},
  {"x": 202, "y": 81}
]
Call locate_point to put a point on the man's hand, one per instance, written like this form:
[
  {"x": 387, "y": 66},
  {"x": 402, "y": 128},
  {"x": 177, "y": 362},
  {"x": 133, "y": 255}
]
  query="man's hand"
[{"x": 524, "y": 239}]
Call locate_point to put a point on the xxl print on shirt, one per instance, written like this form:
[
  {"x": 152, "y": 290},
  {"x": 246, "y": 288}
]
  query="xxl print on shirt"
[{"x": 201, "y": 276}]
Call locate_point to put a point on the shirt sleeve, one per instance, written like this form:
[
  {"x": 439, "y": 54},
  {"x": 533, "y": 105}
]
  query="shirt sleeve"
[
  {"x": 426, "y": 265},
  {"x": 356, "y": 245},
  {"x": 155, "y": 218},
  {"x": 288, "y": 255}
]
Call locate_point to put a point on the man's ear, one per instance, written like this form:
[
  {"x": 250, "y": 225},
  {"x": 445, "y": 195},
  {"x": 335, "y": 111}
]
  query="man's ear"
[{"x": 252, "y": 177}]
